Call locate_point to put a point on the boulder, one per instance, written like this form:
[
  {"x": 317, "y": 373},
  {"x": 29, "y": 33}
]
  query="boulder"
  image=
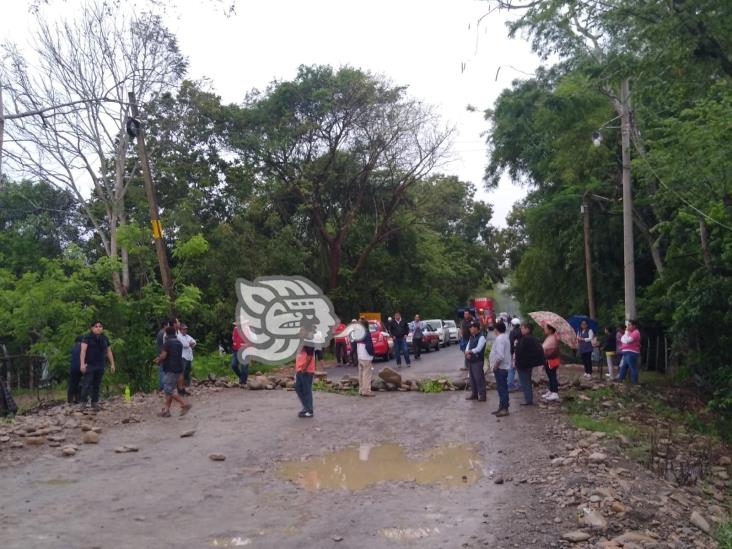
[
  {"x": 576, "y": 536},
  {"x": 594, "y": 519},
  {"x": 378, "y": 385},
  {"x": 90, "y": 437},
  {"x": 700, "y": 522},
  {"x": 254, "y": 384},
  {"x": 390, "y": 376}
]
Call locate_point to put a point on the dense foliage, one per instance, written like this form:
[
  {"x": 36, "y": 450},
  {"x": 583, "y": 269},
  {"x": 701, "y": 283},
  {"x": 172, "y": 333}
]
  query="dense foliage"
[
  {"x": 677, "y": 57},
  {"x": 331, "y": 176}
]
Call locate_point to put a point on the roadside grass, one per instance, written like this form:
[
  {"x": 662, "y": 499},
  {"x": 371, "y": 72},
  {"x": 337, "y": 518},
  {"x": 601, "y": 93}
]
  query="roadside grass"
[
  {"x": 723, "y": 535},
  {"x": 220, "y": 366},
  {"x": 320, "y": 385},
  {"x": 607, "y": 425},
  {"x": 431, "y": 386}
]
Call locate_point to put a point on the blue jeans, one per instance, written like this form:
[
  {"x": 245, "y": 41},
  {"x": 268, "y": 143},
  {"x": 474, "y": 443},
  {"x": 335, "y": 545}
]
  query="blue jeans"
[
  {"x": 629, "y": 360},
  {"x": 512, "y": 378},
  {"x": 526, "y": 385},
  {"x": 400, "y": 346},
  {"x": 243, "y": 373},
  {"x": 160, "y": 377},
  {"x": 501, "y": 376},
  {"x": 304, "y": 390}
]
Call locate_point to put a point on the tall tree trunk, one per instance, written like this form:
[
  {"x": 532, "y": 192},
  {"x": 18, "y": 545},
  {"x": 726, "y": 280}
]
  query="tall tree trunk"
[
  {"x": 653, "y": 244},
  {"x": 335, "y": 254}
]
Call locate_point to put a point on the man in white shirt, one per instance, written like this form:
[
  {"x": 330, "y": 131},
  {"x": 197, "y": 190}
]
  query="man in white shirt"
[
  {"x": 188, "y": 343},
  {"x": 474, "y": 362},
  {"x": 500, "y": 363}
]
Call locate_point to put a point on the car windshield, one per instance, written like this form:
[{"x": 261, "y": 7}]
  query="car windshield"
[
  {"x": 434, "y": 323},
  {"x": 450, "y": 324}
]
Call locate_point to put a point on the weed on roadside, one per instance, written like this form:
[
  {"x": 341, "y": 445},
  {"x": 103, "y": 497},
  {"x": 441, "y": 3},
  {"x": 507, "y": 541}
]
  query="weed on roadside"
[
  {"x": 431, "y": 386},
  {"x": 723, "y": 536}
]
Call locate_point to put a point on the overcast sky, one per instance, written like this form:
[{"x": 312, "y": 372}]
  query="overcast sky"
[{"x": 436, "y": 48}]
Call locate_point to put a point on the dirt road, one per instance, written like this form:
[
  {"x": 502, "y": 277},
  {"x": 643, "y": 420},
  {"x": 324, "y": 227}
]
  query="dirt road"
[
  {"x": 171, "y": 494},
  {"x": 403, "y": 469}
]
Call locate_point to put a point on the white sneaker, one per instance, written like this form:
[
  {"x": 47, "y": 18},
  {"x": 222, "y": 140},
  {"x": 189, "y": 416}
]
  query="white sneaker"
[
  {"x": 552, "y": 396},
  {"x": 546, "y": 394}
]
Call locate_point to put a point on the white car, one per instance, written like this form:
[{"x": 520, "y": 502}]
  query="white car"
[
  {"x": 439, "y": 326},
  {"x": 453, "y": 331}
]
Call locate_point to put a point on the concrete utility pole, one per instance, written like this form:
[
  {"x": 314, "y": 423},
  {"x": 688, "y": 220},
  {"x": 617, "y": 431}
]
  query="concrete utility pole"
[
  {"x": 628, "y": 252},
  {"x": 157, "y": 227},
  {"x": 585, "y": 209}
]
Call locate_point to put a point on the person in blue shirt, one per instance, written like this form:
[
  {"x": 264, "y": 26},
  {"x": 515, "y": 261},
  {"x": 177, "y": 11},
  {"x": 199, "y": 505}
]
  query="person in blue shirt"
[{"x": 73, "y": 393}]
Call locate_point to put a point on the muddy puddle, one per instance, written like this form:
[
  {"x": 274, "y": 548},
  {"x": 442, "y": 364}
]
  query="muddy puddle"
[{"x": 357, "y": 467}]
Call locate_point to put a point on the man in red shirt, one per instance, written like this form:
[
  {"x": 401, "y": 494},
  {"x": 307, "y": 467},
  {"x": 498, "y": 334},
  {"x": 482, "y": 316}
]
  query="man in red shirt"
[
  {"x": 238, "y": 341},
  {"x": 340, "y": 346}
]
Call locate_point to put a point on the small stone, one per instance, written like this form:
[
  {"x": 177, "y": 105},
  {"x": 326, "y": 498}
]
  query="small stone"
[
  {"x": 337, "y": 538},
  {"x": 498, "y": 480},
  {"x": 557, "y": 520},
  {"x": 725, "y": 460},
  {"x": 594, "y": 519},
  {"x": 90, "y": 437},
  {"x": 86, "y": 427},
  {"x": 68, "y": 451},
  {"x": 595, "y": 499},
  {"x": 598, "y": 457},
  {"x": 126, "y": 449},
  {"x": 617, "y": 507},
  {"x": 700, "y": 522},
  {"x": 35, "y": 441},
  {"x": 576, "y": 536},
  {"x": 188, "y": 433},
  {"x": 16, "y": 444},
  {"x": 217, "y": 457},
  {"x": 96, "y": 429},
  {"x": 5, "y": 439}
]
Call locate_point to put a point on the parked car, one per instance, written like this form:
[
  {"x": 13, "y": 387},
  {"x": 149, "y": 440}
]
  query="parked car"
[
  {"x": 439, "y": 326},
  {"x": 452, "y": 330},
  {"x": 383, "y": 342},
  {"x": 430, "y": 339}
]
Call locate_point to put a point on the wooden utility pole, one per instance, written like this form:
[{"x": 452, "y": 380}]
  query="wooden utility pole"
[
  {"x": 585, "y": 209},
  {"x": 628, "y": 252},
  {"x": 135, "y": 128}
]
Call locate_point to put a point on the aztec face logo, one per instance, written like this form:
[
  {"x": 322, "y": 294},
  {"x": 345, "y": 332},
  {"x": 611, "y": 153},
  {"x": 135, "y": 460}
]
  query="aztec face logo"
[{"x": 279, "y": 314}]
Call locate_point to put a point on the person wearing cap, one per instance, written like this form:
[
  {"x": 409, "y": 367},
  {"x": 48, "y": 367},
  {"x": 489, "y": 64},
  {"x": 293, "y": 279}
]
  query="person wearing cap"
[
  {"x": 474, "y": 355},
  {"x": 513, "y": 337}
]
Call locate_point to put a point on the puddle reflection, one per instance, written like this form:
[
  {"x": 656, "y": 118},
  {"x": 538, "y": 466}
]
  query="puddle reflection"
[{"x": 358, "y": 467}]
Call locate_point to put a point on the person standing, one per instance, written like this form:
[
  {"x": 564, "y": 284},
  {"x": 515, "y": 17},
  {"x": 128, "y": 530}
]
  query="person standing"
[
  {"x": 73, "y": 394},
  {"x": 159, "y": 342},
  {"x": 513, "y": 336},
  {"x": 95, "y": 351},
  {"x": 340, "y": 346},
  {"x": 610, "y": 349},
  {"x": 417, "y": 333},
  {"x": 171, "y": 360},
  {"x": 490, "y": 338},
  {"x": 240, "y": 367},
  {"x": 631, "y": 348},
  {"x": 188, "y": 344},
  {"x": 585, "y": 335},
  {"x": 500, "y": 362},
  {"x": 465, "y": 329},
  {"x": 528, "y": 355},
  {"x": 365, "y": 353},
  {"x": 304, "y": 374},
  {"x": 551, "y": 354},
  {"x": 474, "y": 355},
  {"x": 399, "y": 330}
]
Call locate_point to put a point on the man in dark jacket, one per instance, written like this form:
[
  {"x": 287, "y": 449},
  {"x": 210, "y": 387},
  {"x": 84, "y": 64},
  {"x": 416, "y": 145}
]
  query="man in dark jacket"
[
  {"x": 513, "y": 336},
  {"x": 465, "y": 329},
  {"x": 529, "y": 355},
  {"x": 398, "y": 328}
]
